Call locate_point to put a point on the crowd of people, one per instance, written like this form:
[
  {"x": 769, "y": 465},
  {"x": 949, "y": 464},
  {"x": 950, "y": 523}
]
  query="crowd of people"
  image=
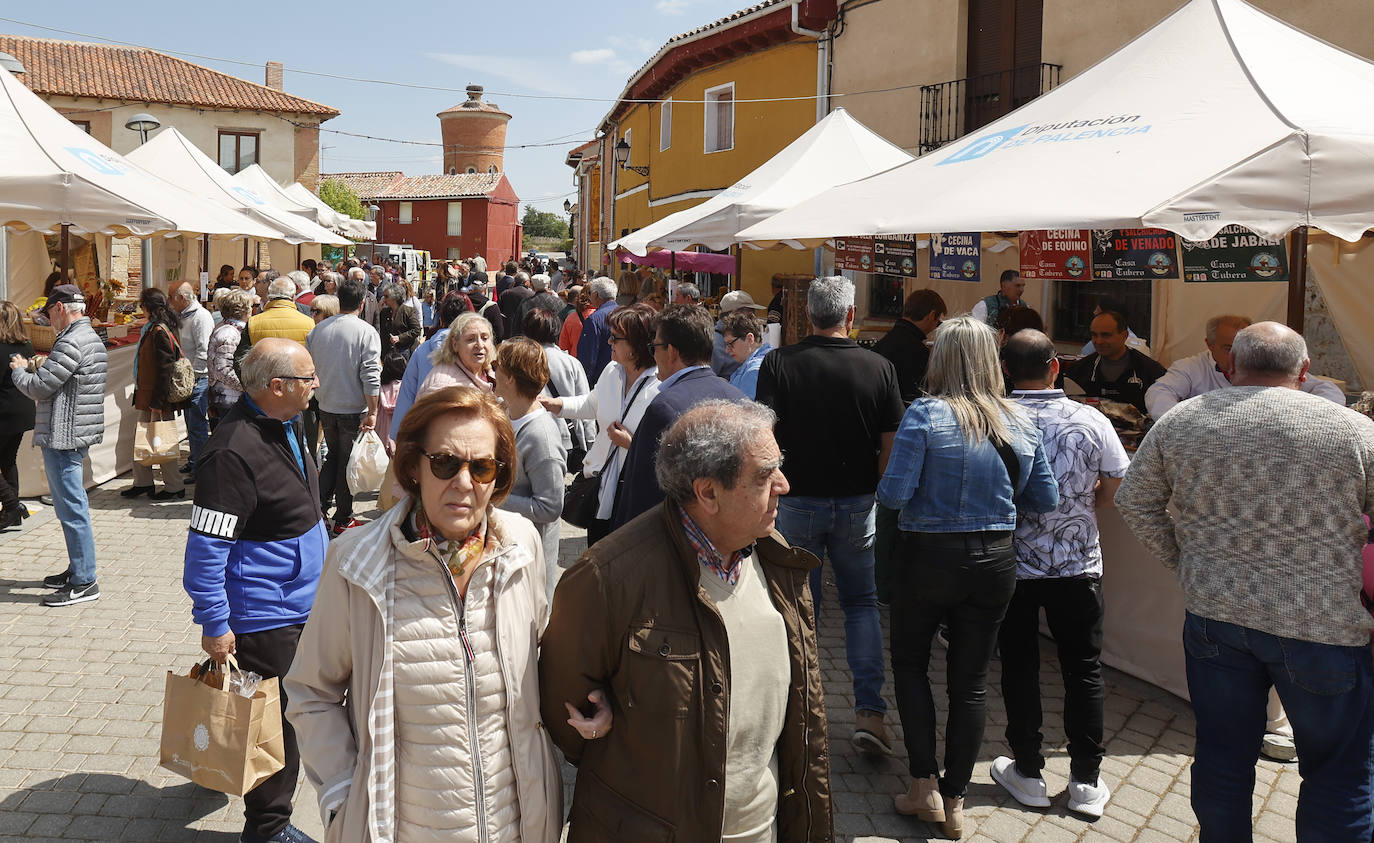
[{"x": 434, "y": 658}]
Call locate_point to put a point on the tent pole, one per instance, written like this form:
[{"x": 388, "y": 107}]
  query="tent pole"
[
  {"x": 5, "y": 263},
  {"x": 1297, "y": 278},
  {"x": 66, "y": 253},
  {"x": 739, "y": 266},
  {"x": 204, "y": 266}
]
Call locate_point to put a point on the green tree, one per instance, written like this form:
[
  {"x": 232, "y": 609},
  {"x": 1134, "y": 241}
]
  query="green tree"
[
  {"x": 544, "y": 224},
  {"x": 337, "y": 195}
]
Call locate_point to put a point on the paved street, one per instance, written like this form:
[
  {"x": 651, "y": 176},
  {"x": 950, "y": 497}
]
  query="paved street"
[{"x": 81, "y": 698}]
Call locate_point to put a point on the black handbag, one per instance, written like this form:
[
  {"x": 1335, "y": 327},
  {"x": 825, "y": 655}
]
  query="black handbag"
[{"x": 583, "y": 497}]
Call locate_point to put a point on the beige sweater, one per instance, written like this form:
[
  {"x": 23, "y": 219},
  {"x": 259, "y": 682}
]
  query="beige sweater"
[
  {"x": 1268, "y": 484},
  {"x": 759, "y": 674}
]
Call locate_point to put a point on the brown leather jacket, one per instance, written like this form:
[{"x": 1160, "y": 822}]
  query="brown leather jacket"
[
  {"x": 157, "y": 351},
  {"x": 631, "y": 617}
]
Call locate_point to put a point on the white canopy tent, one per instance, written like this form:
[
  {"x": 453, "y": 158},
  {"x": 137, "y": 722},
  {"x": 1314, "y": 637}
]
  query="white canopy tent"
[
  {"x": 836, "y": 150},
  {"x": 357, "y": 229},
  {"x": 172, "y": 156},
  {"x": 1220, "y": 114},
  {"x": 53, "y": 174}
]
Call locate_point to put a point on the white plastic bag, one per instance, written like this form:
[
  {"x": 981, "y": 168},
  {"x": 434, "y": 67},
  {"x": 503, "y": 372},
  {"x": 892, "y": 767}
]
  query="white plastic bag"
[{"x": 367, "y": 464}]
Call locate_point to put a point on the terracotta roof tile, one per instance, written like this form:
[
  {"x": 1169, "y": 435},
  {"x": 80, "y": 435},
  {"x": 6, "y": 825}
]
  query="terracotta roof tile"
[
  {"x": 394, "y": 185},
  {"x": 137, "y": 74}
]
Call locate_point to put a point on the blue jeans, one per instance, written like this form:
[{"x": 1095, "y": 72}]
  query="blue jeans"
[
  {"x": 65, "y": 482},
  {"x": 1328, "y": 694},
  {"x": 842, "y": 530},
  {"x": 197, "y": 418}
]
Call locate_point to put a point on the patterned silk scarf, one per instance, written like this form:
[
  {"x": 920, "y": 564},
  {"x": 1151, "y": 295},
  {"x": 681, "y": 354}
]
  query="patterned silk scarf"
[{"x": 457, "y": 556}]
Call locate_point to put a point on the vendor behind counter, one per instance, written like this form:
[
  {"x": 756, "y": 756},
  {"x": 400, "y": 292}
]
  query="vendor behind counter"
[{"x": 1114, "y": 370}]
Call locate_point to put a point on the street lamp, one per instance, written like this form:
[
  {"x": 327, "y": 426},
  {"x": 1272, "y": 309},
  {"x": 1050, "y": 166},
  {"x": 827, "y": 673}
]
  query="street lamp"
[
  {"x": 567, "y": 206},
  {"x": 622, "y": 157},
  {"x": 143, "y": 123},
  {"x": 12, "y": 64}
]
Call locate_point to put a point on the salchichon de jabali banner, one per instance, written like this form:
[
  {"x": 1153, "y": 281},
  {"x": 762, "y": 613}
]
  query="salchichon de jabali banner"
[
  {"x": 956, "y": 256},
  {"x": 895, "y": 254},
  {"x": 1235, "y": 254},
  {"x": 1058, "y": 254},
  {"x": 1134, "y": 253}
]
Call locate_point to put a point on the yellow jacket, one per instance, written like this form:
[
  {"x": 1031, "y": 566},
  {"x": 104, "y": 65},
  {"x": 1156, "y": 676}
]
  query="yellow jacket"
[{"x": 280, "y": 318}]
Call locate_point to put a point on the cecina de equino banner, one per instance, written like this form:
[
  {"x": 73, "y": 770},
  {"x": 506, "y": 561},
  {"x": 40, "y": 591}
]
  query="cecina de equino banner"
[{"x": 1056, "y": 254}]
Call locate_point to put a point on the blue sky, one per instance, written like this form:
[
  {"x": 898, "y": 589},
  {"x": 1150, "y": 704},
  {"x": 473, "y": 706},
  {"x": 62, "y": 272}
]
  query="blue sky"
[{"x": 535, "y": 58}]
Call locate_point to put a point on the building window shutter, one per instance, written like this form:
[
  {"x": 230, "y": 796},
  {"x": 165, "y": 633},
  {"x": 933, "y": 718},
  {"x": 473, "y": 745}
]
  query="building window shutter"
[
  {"x": 455, "y": 219},
  {"x": 407, "y": 213}
]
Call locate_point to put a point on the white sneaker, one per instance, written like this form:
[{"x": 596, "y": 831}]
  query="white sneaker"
[
  {"x": 1030, "y": 792},
  {"x": 1089, "y": 799}
]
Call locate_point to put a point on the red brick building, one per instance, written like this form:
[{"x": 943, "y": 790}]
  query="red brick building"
[{"x": 449, "y": 216}]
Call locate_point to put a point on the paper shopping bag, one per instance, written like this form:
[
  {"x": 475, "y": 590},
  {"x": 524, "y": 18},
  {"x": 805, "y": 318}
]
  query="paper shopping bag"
[
  {"x": 218, "y": 739},
  {"x": 157, "y": 442}
]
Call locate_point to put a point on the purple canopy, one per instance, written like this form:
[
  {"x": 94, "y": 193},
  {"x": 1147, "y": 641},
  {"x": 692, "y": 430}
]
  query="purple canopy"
[{"x": 688, "y": 261}]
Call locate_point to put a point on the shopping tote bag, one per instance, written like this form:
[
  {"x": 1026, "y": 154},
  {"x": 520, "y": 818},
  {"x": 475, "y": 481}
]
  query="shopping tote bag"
[
  {"x": 218, "y": 739},
  {"x": 157, "y": 442}
]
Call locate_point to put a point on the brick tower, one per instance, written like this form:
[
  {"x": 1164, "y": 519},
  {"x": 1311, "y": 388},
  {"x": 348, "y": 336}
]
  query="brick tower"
[{"x": 474, "y": 134}]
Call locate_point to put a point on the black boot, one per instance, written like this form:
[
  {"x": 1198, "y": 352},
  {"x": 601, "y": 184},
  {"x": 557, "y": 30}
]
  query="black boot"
[{"x": 135, "y": 491}]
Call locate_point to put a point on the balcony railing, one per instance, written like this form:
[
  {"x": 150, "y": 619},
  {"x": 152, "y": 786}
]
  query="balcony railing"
[{"x": 951, "y": 110}]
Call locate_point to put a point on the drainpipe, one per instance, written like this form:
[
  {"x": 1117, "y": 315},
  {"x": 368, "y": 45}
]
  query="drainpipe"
[{"x": 823, "y": 38}]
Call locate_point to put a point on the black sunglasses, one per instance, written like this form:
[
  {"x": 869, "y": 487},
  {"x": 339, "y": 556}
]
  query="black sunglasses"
[{"x": 445, "y": 466}]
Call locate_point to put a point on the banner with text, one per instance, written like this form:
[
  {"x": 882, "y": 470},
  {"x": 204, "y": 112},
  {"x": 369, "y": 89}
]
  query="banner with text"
[
  {"x": 956, "y": 256},
  {"x": 1059, "y": 254},
  {"x": 1235, "y": 254},
  {"x": 895, "y": 254},
  {"x": 1134, "y": 253},
  {"x": 854, "y": 253}
]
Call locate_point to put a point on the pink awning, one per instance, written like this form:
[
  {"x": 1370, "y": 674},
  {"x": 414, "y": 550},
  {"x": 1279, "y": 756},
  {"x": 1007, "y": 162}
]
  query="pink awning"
[{"x": 685, "y": 261}]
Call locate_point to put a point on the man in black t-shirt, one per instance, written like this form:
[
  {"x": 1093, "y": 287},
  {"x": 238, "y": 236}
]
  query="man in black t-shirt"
[
  {"x": 838, "y": 407},
  {"x": 1115, "y": 371}
]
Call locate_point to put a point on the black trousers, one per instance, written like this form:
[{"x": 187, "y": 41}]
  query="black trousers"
[
  {"x": 267, "y": 807},
  {"x": 9, "y": 471},
  {"x": 339, "y": 433},
  {"x": 1074, "y": 612},
  {"x": 966, "y": 580}
]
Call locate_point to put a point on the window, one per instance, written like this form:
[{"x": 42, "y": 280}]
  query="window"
[
  {"x": 407, "y": 213},
  {"x": 455, "y": 219},
  {"x": 720, "y": 118},
  {"x": 665, "y": 125},
  {"x": 455, "y": 253},
  {"x": 472, "y": 171},
  {"x": 83, "y": 125},
  {"x": 886, "y": 294},
  {"x": 1074, "y": 302},
  {"x": 238, "y": 150},
  {"x": 492, "y": 170}
]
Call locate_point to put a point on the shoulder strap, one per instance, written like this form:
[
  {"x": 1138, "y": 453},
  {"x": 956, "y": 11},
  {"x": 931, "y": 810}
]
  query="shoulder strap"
[
  {"x": 1012, "y": 464},
  {"x": 633, "y": 395},
  {"x": 173, "y": 335}
]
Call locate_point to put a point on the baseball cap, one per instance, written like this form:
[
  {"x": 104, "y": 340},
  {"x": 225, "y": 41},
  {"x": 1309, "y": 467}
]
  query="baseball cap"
[
  {"x": 63, "y": 294},
  {"x": 735, "y": 299}
]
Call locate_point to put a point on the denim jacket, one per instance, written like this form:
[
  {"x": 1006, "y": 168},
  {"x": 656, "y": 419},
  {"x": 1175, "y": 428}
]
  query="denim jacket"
[{"x": 942, "y": 483}]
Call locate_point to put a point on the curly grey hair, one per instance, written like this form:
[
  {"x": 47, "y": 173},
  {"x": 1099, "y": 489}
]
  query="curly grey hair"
[
  {"x": 709, "y": 441},
  {"x": 828, "y": 301}
]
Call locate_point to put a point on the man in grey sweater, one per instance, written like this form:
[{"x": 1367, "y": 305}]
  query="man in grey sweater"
[
  {"x": 1268, "y": 484},
  {"x": 348, "y": 361}
]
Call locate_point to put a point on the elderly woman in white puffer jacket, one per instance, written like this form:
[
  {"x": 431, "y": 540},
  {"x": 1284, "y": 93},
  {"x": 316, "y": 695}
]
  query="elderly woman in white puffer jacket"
[{"x": 414, "y": 693}]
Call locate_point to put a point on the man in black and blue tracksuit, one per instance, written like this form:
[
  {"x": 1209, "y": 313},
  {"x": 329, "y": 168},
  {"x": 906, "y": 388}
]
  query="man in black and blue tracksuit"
[{"x": 256, "y": 546}]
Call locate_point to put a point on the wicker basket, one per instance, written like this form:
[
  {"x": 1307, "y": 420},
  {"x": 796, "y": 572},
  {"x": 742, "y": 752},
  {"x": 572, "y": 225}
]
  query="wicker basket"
[{"x": 42, "y": 336}]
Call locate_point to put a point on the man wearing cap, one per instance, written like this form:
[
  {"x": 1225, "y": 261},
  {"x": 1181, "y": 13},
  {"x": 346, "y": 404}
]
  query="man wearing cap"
[
  {"x": 723, "y": 363},
  {"x": 69, "y": 389}
]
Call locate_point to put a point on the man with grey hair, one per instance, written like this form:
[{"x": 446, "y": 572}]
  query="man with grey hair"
[
  {"x": 838, "y": 409},
  {"x": 304, "y": 295},
  {"x": 69, "y": 389},
  {"x": 543, "y": 297},
  {"x": 371, "y": 310},
  {"x": 593, "y": 345},
  {"x": 194, "y": 337},
  {"x": 511, "y": 299},
  {"x": 1210, "y": 369},
  {"x": 693, "y": 623},
  {"x": 256, "y": 546},
  {"x": 1268, "y": 484},
  {"x": 686, "y": 293}
]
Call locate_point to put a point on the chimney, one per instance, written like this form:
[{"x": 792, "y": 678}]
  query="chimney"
[{"x": 274, "y": 73}]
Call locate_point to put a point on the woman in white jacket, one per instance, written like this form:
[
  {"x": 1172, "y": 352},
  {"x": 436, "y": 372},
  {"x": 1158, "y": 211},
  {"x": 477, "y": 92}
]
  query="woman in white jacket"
[
  {"x": 414, "y": 693},
  {"x": 626, "y": 388}
]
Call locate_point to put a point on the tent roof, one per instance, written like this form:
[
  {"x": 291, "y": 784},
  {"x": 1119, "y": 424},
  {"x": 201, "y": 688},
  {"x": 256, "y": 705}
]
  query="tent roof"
[
  {"x": 170, "y": 155},
  {"x": 342, "y": 224},
  {"x": 54, "y": 174},
  {"x": 836, "y": 150},
  {"x": 1220, "y": 114}
]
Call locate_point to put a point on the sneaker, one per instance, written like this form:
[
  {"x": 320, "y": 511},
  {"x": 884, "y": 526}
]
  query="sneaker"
[
  {"x": 1088, "y": 799},
  {"x": 340, "y": 526},
  {"x": 1030, "y": 792},
  {"x": 58, "y": 580},
  {"x": 870, "y": 735},
  {"x": 70, "y": 595},
  {"x": 1278, "y": 747},
  {"x": 289, "y": 834}
]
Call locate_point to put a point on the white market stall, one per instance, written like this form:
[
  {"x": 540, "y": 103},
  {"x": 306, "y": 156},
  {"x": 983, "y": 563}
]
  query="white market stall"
[
  {"x": 347, "y": 226},
  {"x": 1218, "y": 115}
]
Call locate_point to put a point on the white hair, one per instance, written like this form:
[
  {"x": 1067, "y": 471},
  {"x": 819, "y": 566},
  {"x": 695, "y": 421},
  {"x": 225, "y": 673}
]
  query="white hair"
[
  {"x": 361, "y": 274},
  {"x": 301, "y": 279},
  {"x": 828, "y": 301},
  {"x": 74, "y": 308},
  {"x": 281, "y": 288},
  {"x": 1269, "y": 349},
  {"x": 604, "y": 288},
  {"x": 539, "y": 282}
]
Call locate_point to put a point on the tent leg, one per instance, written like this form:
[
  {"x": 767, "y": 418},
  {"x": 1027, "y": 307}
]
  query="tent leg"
[
  {"x": 65, "y": 254},
  {"x": 1297, "y": 278},
  {"x": 204, "y": 267},
  {"x": 739, "y": 266},
  {"x": 5, "y": 263}
]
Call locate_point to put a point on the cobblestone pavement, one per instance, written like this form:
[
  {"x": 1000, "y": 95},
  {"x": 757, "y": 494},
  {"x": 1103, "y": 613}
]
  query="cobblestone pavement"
[{"x": 81, "y": 699}]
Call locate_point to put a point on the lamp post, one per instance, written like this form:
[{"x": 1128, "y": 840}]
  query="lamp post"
[
  {"x": 143, "y": 123},
  {"x": 374, "y": 214},
  {"x": 622, "y": 157}
]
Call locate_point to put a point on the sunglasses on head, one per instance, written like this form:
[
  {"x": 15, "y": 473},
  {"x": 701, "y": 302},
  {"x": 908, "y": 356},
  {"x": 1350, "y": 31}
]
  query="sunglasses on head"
[{"x": 445, "y": 466}]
